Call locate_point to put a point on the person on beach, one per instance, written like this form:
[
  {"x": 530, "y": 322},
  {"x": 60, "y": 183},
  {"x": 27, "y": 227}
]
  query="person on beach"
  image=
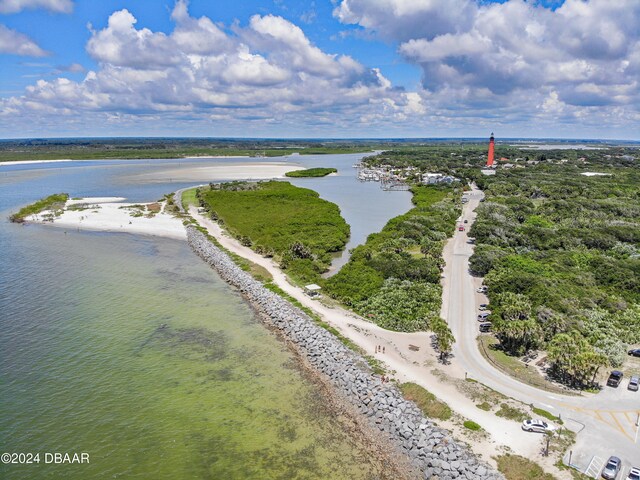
[{"x": 382, "y": 349}]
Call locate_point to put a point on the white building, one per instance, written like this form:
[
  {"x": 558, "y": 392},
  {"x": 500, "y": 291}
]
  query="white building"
[{"x": 435, "y": 178}]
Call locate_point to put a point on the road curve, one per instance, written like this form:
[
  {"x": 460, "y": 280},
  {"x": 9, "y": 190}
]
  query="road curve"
[{"x": 609, "y": 416}]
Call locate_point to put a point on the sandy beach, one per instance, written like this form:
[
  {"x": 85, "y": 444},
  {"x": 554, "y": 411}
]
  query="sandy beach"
[
  {"x": 29, "y": 162},
  {"x": 239, "y": 171},
  {"x": 109, "y": 214}
]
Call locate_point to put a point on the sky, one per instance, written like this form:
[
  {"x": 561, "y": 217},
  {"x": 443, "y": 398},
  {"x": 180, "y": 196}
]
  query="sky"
[{"x": 321, "y": 68}]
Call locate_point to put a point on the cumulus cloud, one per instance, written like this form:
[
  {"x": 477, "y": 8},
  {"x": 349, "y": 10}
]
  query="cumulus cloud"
[
  {"x": 585, "y": 53},
  {"x": 14, "y": 6},
  {"x": 266, "y": 71},
  {"x": 16, "y": 43}
]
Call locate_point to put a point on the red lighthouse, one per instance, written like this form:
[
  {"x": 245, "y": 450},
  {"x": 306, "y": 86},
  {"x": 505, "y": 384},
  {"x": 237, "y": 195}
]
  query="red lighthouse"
[{"x": 492, "y": 144}]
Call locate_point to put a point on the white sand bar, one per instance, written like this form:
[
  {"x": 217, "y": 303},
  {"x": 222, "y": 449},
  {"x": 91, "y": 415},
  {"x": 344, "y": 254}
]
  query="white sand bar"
[
  {"x": 28, "y": 162},
  {"x": 111, "y": 217},
  {"x": 245, "y": 171},
  {"x": 94, "y": 200}
]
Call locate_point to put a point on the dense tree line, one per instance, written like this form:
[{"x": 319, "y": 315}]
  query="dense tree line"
[
  {"x": 394, "y": 278},
  {"x": 560, "y": 253},
  {"x": 559, "y": 250},
  {"x": 292, "y": 224}
]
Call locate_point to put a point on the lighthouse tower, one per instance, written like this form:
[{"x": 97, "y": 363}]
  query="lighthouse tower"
[{"x": 491, "y": 155}]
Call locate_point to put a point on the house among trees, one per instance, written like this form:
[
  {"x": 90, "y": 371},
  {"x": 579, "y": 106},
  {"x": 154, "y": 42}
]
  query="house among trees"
[{"x": 436, "y": 178}]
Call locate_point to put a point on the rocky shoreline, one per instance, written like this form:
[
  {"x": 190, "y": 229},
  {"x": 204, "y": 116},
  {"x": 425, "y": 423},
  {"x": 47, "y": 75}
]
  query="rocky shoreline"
[{"x": 430, "y": 449}]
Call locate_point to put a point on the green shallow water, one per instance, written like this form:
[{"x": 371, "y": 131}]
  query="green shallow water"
[{"x": 131, "y": 349}]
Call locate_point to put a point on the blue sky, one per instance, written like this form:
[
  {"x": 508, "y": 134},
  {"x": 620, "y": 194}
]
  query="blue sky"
[{"x": 341, "y": 68}]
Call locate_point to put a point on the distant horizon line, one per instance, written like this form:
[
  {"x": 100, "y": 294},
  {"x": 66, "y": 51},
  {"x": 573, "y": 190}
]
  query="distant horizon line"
[{"x": 318, "y": 139}]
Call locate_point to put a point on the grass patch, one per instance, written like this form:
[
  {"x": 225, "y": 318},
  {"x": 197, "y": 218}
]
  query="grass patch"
[
  {"x": 471, "y": 425},
  {"x": 189, "y": 198},
  {"x": 486, "y": 406},
  {"x": 512, "y": 366},
  {"x": 515, "y": 467},
  {"x": 511, "y": 413},
  {"x": 543, "y": 413},
  {"x": 274, "y": 218},
  {"x": 52, "y": 202},
  {"x": 311, "y": 172},
  {"x": 375, "y": 364},
  {"x": 426, "y": 401}
]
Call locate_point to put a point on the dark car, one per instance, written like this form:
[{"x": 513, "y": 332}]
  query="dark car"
[
  {"x": 485, "y": 327},
  {"x": 615, "y": 378},
  {"x": 635, "y": 352},
  {"x": 612, "y": 468}
]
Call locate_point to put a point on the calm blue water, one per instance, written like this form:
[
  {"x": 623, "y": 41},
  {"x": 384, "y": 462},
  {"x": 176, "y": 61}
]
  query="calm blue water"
[{"x": 131, "y": 349}]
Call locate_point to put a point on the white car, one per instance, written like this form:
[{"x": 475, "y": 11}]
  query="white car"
[
  {"x": 482, "y": 289},
  {"x": 536, "y": 425},
  {"x": 634, "y": 473}
]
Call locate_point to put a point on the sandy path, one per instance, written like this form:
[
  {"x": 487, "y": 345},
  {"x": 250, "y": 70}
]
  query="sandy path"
[{"x": 404, "y": 363}]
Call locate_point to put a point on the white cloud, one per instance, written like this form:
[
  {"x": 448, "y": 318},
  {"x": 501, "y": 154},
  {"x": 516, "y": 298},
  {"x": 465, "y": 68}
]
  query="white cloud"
[
  {"x": 582, "y": 58},
  {"x": 14, "y": 6},
  {"x": 16, "y": 43},
  {"x": 407, "y": 19},
  {"x": 266, "y": 72}
]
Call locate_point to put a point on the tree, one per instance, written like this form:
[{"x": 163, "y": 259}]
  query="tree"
[
  {"x": 514, "y": 327},
  {"x": 444, "y": 337},
  {"x": 574, "y": 359}
]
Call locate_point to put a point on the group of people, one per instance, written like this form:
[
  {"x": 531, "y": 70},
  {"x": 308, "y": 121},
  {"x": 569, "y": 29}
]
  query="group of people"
[{"x": 380, "y": 349}]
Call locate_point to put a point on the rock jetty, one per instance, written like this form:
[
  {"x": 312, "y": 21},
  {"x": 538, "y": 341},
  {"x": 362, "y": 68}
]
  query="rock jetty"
[{"x": 429, "y": 448}]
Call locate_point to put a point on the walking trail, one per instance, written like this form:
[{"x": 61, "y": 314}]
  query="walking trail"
[{"x": 401, "y": 358}]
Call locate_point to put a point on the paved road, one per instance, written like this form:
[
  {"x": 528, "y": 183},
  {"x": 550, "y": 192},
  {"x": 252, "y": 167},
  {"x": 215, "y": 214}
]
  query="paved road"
[{"x": 607, "y": 422}]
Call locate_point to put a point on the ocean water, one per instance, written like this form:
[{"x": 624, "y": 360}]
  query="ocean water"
[{"x": 132, "y": 350}]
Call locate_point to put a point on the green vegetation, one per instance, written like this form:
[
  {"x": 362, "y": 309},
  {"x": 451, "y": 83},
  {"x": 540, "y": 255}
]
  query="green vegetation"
[
  {"x": 486, "y": 406},
  {"x": 471, "y": 425},
  {"x": 292, "y": 224},
  {"x": 511, "y": 413},
  {"x": 543, "y": 413},
  {"x": 560, "y": 253},
  {"x": 426, "y": 401},
  {"x": 385, "y": 280},
  {"x": 189, "y": 198},
  {"x": 152, "y": 148},
  {"x": 492, "y": 351},
  {"x": 52, "y": 202},
  {"x": 311, "y": 172},
  {"x": 515, "y": 467}
]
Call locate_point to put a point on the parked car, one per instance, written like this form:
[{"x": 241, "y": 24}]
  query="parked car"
[
  {"x": 485, "y": 327},
  {"x": 635, "y": 352},
  {"x": 483, "y": 306},
  {"x": 634, "y": 474},
  {"x": 633, "y": 383},
  {"x": 461, "y": 228},
  {"x": 612, "y": 468},
  {"x": 466, "y": 221},
  {"x": 615, "y": 378},
  {"x": 483, "y": 316},
  {"x": 482, "y": 289},
  {"x": 537, "y": 425}
]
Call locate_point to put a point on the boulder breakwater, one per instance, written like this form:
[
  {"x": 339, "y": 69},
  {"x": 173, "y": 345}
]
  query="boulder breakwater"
[{"x": 429, "y": 448}]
